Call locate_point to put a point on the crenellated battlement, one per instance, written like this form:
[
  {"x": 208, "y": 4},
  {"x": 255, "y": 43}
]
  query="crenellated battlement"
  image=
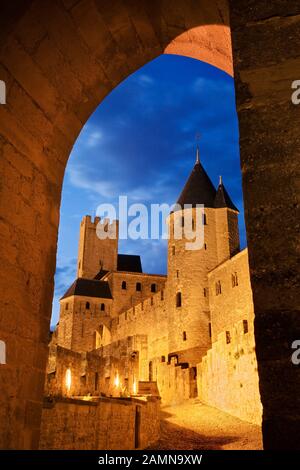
[{"x": 98, "y": 246}]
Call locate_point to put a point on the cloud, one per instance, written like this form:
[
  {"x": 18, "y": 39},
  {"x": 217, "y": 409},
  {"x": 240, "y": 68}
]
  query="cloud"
[
  {"x": 144, "y": 79},
  {"x": 64, "y": 275},
  {"x": 79, "y": 178},
  {"x": 208, "y": 85},
  {"x": 93, "y": 139}
]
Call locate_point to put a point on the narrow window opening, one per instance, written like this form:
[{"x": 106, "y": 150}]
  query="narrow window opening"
[
  {"x": 178, "y": 299},
  {"x": 228, "y": 337},
  {"x": 138, "y": 287}
]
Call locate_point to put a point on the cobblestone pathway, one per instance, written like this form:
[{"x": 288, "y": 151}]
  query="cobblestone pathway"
[{"x": 197, "y": 426}]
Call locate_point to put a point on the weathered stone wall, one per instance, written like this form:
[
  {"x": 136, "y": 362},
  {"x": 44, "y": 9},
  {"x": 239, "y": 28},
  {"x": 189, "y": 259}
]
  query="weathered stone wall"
[
  {"x": 227, "y": 376},
  {"x": 147, "y": 318},
  {"x": 234, "y": 302},
  {"x": 227, "y": 233},
  {"x": 103, "y": 424},
  {"x": 145, "y": 329},
  {"x": 87, "y": 373},
  {"x": 124, "y": 359},
  {"x": 175, "y": 384},
  {"x": 79, "y": 325},
  {"x": 124, "y": 299},
  {"x": 266, "y": 45}
]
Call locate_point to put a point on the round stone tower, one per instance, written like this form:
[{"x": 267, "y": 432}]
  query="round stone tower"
[{"x": 203, "y": 232}]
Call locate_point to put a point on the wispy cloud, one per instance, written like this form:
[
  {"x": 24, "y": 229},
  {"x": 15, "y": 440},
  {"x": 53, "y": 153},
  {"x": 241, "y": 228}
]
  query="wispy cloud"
[
  {"x": 79, "y": 178},
  {"x": 94, "y": 139},
  {"x": 144, "y": 79}
]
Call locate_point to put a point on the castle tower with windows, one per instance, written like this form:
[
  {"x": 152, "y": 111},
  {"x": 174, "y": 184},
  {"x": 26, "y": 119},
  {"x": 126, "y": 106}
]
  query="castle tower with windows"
[{"x": 210, "y": 217}]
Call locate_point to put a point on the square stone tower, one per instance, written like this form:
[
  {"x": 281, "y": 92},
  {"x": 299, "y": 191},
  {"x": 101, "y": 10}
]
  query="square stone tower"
[{"x": 94, "y": 253}]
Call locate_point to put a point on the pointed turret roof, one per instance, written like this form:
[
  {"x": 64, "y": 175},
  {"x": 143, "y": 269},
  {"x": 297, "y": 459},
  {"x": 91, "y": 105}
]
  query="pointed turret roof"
[
  {"x": 198, "y": 189},
  {"x": 222, "y": 198}
]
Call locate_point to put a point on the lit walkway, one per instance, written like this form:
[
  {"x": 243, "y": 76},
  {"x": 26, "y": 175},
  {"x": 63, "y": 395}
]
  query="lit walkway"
[{"x": 196, "y": 426}]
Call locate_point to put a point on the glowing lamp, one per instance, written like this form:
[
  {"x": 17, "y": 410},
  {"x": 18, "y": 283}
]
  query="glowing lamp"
[
  {"x": 134, "y": 388},
  {"x": 117, "y": 380},
  {"x": 68, "y": 379}
]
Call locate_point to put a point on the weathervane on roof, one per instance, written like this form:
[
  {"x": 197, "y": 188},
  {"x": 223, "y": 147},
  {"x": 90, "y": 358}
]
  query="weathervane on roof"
[{"x": 198, "y": 137}]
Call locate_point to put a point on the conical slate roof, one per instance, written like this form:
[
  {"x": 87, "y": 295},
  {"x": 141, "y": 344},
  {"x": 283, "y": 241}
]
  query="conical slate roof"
[
  {"x": 198, "y": 189},
  {"x": 222, "y": 198}
]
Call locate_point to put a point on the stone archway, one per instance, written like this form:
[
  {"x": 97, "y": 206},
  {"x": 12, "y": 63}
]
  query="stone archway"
[{"x": 59, "y": 59}]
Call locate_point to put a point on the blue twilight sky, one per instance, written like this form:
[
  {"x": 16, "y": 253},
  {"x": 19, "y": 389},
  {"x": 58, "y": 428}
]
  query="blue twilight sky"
[{"x": 140, "y": 142}]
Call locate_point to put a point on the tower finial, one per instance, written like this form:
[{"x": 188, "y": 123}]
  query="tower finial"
[
  {"x": 197, "y": 155},
  {"x": 220, "y": 180},
  {"x": 198, "y": 136}
]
